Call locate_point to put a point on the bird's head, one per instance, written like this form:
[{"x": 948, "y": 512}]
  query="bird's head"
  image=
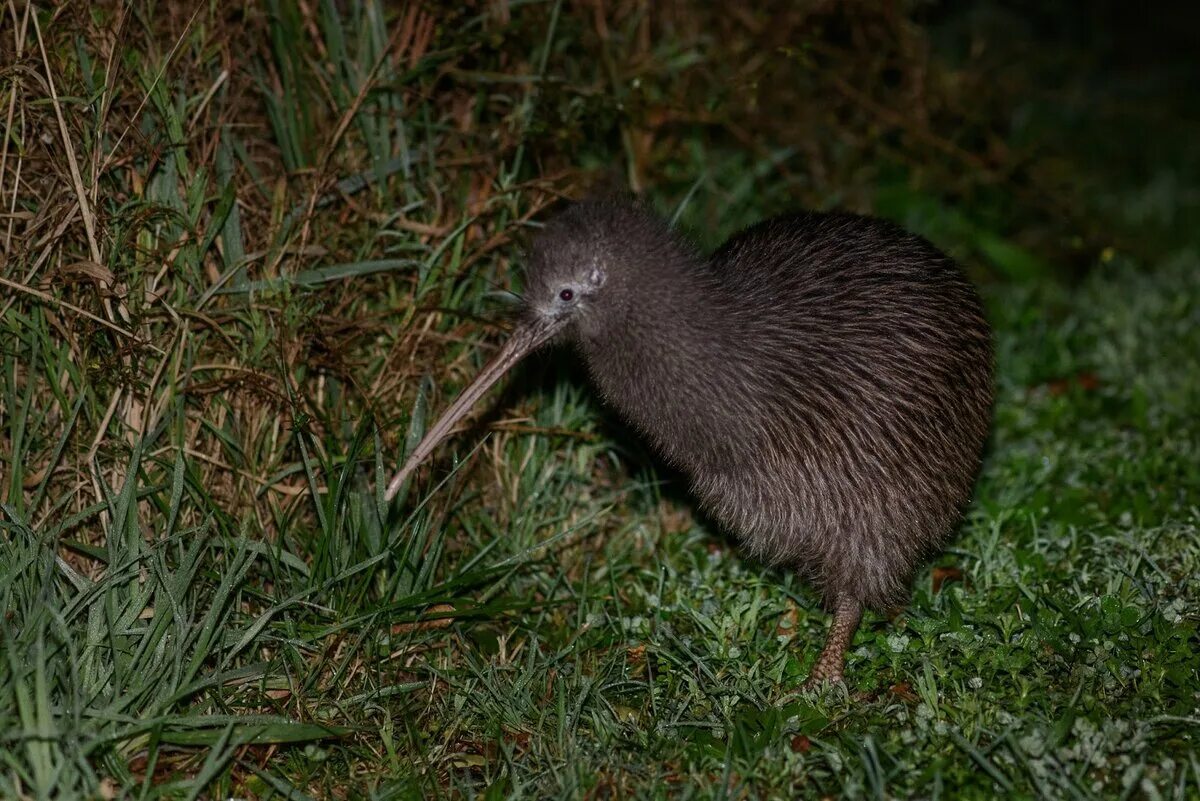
[{"x": 586, "y": 262}]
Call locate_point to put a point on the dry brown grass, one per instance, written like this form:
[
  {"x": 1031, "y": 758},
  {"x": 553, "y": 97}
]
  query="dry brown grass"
[{"x": 84, "y": 244}]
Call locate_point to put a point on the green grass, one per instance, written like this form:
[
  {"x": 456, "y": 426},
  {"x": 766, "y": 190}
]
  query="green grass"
[{"x": 304, "y": 231}]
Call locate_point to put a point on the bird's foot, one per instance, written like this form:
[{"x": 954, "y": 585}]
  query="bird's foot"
[
  {"x": 827, "y": 670},
  {"x": 816, "y": 683}
]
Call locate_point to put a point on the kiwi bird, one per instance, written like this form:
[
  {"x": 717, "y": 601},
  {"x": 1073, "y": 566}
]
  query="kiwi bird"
[{"x": 824, "y": 380}]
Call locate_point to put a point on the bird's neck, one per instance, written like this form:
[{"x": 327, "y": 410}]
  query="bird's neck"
[{"x": 664, "y": 362}]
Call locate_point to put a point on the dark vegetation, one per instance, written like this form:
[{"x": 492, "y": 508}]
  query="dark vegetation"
[{"x": 247, "y": 248}]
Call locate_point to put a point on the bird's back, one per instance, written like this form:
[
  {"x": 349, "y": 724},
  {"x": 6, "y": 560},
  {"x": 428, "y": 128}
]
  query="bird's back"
[{"x": 866, "y": 362}]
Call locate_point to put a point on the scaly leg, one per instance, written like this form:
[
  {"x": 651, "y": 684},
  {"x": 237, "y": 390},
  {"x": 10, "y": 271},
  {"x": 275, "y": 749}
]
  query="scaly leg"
[{"x": 828, "y": 667}]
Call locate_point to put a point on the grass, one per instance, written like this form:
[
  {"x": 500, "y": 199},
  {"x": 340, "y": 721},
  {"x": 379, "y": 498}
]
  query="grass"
[{"x": 283, "y": 246}]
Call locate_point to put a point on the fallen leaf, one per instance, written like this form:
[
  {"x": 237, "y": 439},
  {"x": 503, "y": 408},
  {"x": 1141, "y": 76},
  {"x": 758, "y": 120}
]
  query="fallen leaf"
[
  {"x": 1086, "y": 381},
  {"x": 943, "y": 574},
  {"x": 31, "y": 480},
  {"x": 788, "y": 620}
]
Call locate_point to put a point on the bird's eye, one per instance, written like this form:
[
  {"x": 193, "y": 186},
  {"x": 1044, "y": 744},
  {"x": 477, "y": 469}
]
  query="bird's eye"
[{"x": 566, "y": 295}]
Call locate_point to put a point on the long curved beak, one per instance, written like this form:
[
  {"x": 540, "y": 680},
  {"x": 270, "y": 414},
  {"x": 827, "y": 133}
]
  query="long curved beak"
[{"x": 523, "y": 341}]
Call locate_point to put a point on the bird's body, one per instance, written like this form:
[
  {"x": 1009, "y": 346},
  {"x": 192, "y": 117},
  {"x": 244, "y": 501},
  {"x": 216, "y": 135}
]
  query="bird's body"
[{"x": 824, "y": 380}]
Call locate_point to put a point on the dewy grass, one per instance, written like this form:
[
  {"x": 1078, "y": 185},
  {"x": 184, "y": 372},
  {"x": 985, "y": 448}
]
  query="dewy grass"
[{"x": 305, "y": 213}]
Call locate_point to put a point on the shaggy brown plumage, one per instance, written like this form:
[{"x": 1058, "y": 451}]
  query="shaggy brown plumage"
[{"x": 823, "y": 379}]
